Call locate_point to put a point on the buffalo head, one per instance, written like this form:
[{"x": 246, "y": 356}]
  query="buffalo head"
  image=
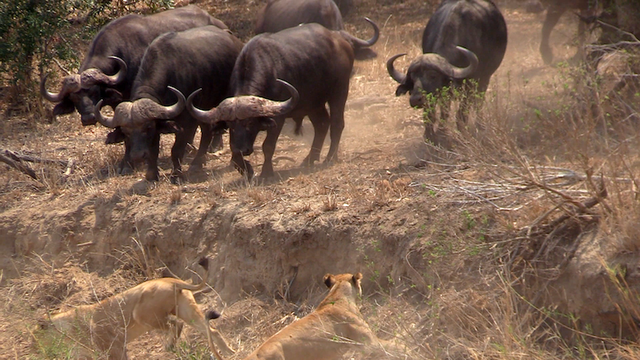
[
  {"x": 82, "y": 91},
  {"x": 142, "y": 121},
  {"x": 429, "y": 73},
  {"x": 245, "y": 116}
]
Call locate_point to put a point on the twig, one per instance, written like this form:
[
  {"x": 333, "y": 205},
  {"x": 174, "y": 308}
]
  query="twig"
[
  {"x": 21, "y": 157},
  {"x": 19, "y": 165},
  {"x": 61, "y": 67}
]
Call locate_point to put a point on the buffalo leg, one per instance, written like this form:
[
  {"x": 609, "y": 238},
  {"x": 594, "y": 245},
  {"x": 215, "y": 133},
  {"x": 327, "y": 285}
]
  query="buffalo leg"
[
  {"x": 554, "y": 12},
  {"x": 269, "y": 147},
  {"x": 472, "y": 97},
  {"x": 205, "y": 141},
  {"x": 243, "y": 166},
  {"x": 152, "y": 162},
  {"x": 320, "y": 121},
  {"x": 178, "y": 150},
  {"x": 337, "y": 126},
  {"x": 435, "y": 130},
  {"x": 125, "y": 167}
]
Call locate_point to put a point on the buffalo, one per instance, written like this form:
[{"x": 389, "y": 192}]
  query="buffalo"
[
  {"x": 463, "y": 44},
  {"x": 554, "y": 12},
  {"x": 316, "y": 61},
  {"x": 588, "y": 12},
  {"x": 118, "y": 49},
  {"x": 174, "y": 63},
  {"x": 278, "y": 15}
]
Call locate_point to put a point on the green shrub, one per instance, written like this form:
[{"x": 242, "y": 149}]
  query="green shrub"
[{"x": 34, "y": 32}]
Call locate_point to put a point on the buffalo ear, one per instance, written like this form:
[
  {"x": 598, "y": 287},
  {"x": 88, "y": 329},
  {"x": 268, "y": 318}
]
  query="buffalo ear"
[
  {"x": 329, "y": 280},
  {"x": 220, "y": 127},
  {"x": 267, "y": 123},
  {"x": 64, "y": 107},
  {"x": 112, "y": 97},
  {"x": 402, "y": 89},
  {"x": 168, "y": 127},
  {"x": 115, "y": 137}
]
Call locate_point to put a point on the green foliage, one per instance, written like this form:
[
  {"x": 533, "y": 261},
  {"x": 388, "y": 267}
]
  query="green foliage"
[
  {"x": 26, "y": 27},
  {"x": 52, "y": 345},
  {"x": 34, "y": 32}
]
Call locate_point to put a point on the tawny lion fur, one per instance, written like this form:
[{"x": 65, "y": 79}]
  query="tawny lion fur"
[
  {"x": 333, "y": 329},
  {"x": 109, "y": 325}
]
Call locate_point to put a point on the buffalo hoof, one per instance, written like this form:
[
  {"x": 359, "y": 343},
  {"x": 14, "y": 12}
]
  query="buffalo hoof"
[
  {"x": 125, "y": 169},
  {"x": 176, "y": 177},
  {"x": 547, "y": 55},
  {"x": 245, "y": 169},
  {"x": 331, "y": 159},
  {"x": 309, "y": 161},
  {"x": 152, "y": 175},
  {"x": 196, "y": 167},
  {"x": 266, "y": 175}
]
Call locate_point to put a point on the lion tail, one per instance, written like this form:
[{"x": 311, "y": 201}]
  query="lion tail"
[{"x": 204, "y": 262}]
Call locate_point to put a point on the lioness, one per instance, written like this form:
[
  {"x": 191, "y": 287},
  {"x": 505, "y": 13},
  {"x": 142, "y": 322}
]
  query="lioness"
[
  {"x": 115, "y": 321},
  {"x": 333, "y": 329}
]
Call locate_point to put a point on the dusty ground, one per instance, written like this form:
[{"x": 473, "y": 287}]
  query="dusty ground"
[{"x": 424, "y": 226}]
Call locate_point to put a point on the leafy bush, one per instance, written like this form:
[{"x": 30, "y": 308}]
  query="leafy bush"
[{"x": 34, "y": 32}]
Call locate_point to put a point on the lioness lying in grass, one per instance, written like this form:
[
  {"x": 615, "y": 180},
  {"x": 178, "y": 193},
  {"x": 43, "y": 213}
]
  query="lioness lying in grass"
[{"x": 333, "y": 329}]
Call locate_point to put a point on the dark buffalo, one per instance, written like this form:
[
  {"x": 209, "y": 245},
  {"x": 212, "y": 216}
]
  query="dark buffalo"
[
  {"x": 125, "y": 38},
  {"x": 588, "y": 11},
  {"x": 345, "y": 6},
  {"x": 174, "y": 63},
  {"x": 554, "y": 12},
  {"x": 316, "y": 61},
  {"x": 464, "y": 40},
  {"x": 278, "y": 15}
]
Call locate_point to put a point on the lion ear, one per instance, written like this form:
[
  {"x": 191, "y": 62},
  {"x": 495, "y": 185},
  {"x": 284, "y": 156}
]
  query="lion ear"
[
  {"x": 329, "y": 280},
  {"x": 357, "y": 277}
]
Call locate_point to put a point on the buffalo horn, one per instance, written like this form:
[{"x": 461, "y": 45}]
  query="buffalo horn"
[
  {"x": 108, "y": 121},
  {"x": 463, "y": 73},
  {"x": 376, "y": 33},
  {"x": 70, "y": 83},
  {"x": 359, "y": 43},
  {"x": 146, "y": 109},
  {"x": 395, "y": 74},
  {"x": 200, "y": 115},
  {"x": 95, "y": 76},
  {"x": 245, "y": 106}
]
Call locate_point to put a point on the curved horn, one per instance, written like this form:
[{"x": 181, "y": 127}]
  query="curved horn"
[
  {"x": 201, "y": 115},
  {"x": 49, "y": 95},
  {"x": 255, "y": 106},
  {"x": 395, "y": 74},
  {"x": 274, "y": 108},
  {"x": 70, "y": 83},
  {"x": 376, "y": 32},
  {"x": 247, "y": 106},
  {"x": 462, "y": 73},
  {"x": 147, "y": 109},
  {"x": 107, "y": 121},
  {"x": 95, "y": 76},
  {"x": 359, "y": 43}
]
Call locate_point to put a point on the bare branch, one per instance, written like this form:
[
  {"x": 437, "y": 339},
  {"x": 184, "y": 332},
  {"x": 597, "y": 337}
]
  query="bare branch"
[{"x": 17, "y": 164}]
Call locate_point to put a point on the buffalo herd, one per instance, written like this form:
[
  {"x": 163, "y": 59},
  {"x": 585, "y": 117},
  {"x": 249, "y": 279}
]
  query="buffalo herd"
[{"x": 300, "y": 61}]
